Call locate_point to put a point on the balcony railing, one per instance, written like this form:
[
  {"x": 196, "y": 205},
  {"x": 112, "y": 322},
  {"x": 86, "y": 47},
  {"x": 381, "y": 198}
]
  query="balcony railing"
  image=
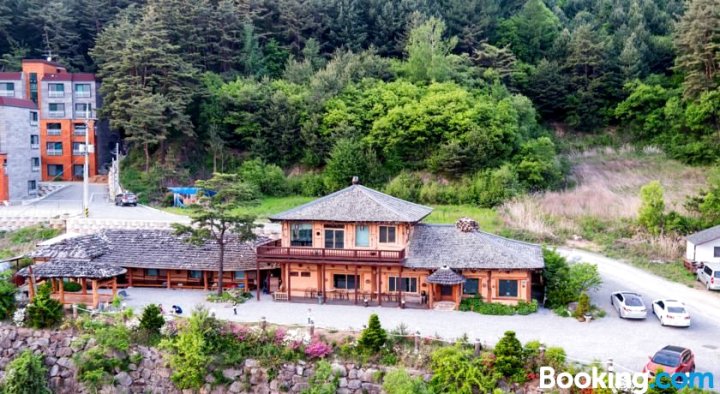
[
  {"x": 274, "y": 252},
  {"x": 7, "y": 93},
  {"x": 84, "y": 94},
  {"x": 56, "y": 114},
  {"x": 56, "y": 93},
  {"x": 78, "y": 132},
  {"x": 34, "y": 146},
  {"x": 54, "y": 131},
  {"x": 54, "y": 152}
]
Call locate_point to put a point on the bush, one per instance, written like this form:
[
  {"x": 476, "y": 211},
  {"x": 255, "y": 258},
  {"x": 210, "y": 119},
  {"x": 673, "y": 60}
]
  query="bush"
[
  {"x": 324, "y": 381},
  {"x": 7, "y": 296},
  {"x": 152, "y": 319},
  {"x": 476, "y": 304},
  {"x": 400, "y": 382},
  {"x": 44, "y": 311},
  {"x": 493, "y": 187},
  {"x": 509, "y": 355},
  {"x": 583, "y": 306},
  {"x": 555, "y": 357},
  {"x": 652, "y": 207},
  {"x": 25, "y": 374},
  {"x": 318, "y": 349},
  {"x": 405, "y": 186},
  {"x": 309, "y": 185},
  {"x": 564, "y": 283},
  {"x": 373, "y": 338},
  {"x": 268, "y": 178},
  {"x": 455, "y": 370},
  {"x": 71, "y": 287}
]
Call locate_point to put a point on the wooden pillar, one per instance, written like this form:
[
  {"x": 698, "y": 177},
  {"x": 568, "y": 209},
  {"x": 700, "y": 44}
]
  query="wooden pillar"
[
  {"x": 129, "y": 275},
  {"x": 430, "y": 295},
  {"x": 289, "y": 289},
  {"x": 257, "y": 280},
  {"x": 399, "y": 287},
  {"x": 31, "y": 288},
  {"x": 95, "y": 295},
  {"x": 357, "y": 284},
  {"x": 83, "y": 283},
  {"x": 205, "y": 280},
  {"x": 114, "y": 287},
  {"x": 167, "y": 275},
  {"x": 379, "y": 282},
  {"x": 53, "y": 284},
  {"x": 324, "y": 296},
  {"x": 61, "y": 290},
  {"x": 490, "y": 295}
]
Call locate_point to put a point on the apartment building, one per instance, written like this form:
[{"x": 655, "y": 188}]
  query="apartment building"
[
  {"x": 66, "y": 104},
  {"x": 20, "y": 160}
]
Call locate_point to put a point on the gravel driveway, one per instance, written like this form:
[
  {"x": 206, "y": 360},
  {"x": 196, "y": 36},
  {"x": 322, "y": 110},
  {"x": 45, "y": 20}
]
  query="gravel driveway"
[{"x": 628, "y": 343}]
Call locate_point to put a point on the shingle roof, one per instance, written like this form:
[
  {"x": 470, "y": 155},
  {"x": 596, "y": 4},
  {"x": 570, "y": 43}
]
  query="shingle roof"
[
  {"x": 17, "y": 102},
  {"x": 357, "y": 203},
  {"x": 445, "y": 276},
  {"x": 704, "y": 236},
  {"x": 433, "y": 246},
  {"x": 160, "y": 249},
  {"x": 68, "y": 268},
  {"x": 10, "y": 76},
  {"x": 79, "y": 77}
]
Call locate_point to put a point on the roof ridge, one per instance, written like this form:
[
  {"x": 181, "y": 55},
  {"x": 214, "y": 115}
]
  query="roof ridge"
[
  {"x": 370, "y": 192},
  {"x": 313, "y": 202}
]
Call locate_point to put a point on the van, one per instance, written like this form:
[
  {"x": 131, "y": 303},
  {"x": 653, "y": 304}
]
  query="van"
[{"x": 709, "y": 274}]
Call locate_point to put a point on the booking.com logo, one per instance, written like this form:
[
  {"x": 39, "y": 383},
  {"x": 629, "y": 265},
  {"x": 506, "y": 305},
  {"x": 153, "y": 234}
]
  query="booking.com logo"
[{"x": 638, "y": 382}]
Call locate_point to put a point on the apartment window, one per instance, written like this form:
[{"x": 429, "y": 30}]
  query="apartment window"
[
  {"x": 362, "y": 236},
  {"x": 406, "y": 284},
  {"x": 387, "y": 234},
  {"x": 346, "y": 282},
  {"x": 79, "y": 129},
  {"x": 32, "y": 187},
  {"x": 33, "y": 118},
  {"x": 334, "y": 237},
  {"x": 78, "y": 172},
  {"x": 54, "y": 169},
  {"x": 56, "y": 89},
  {"x": 82, "y": 90},
  {"x": 35, "y": 164},
  {"x": 195, "y": 274},
  {"x": 239, "y": 275},
  {"x": 56, "y": 110},
  {"x": 34, "y": 141},
  {"x": 7, "y": 89},
  {"x": 54, "y": 148},
  {"x": 301, "y": 234},
  {"x": 83, "y": 110},
  {"x": 471, "y": 286},
  {"x": 33, "y": 87},
  {"x": 54, "y": 129},
  {"x": 507, "y": 288},
  {"x": 78, "y": 148},
  {"x": 151, "y": 272}
]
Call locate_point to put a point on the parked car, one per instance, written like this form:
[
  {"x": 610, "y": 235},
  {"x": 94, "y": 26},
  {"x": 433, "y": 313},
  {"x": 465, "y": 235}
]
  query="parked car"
[
  {"x": 628, "y": 305},
  {"x": 709, "y": 274},
  {"x": 671, "y": 359},
  {"x": 671, "y": 313},
  {"x": 126, "y": 198}
]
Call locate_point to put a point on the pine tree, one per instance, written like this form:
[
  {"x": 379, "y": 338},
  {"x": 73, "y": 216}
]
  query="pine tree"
[
  {"x": 428, "y": 51},
  {"x": 372, "y": 338},
  {"x": 698, "y": 45}
]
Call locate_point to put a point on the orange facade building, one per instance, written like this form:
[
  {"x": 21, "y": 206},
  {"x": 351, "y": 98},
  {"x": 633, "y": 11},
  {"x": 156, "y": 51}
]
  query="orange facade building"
[{"x": 66, "y": 103}]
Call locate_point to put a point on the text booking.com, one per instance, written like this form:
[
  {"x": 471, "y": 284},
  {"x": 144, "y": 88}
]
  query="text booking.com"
[{"x": 638, "y": 382}]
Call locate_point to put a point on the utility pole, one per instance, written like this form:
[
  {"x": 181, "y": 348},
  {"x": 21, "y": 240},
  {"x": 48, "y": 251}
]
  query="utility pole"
[{"x": 86, "y": 167}]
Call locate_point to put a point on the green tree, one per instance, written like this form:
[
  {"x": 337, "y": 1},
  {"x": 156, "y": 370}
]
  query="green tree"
[
  {"x": 531, "y": 32},
  {"x": 698, "y": 44},
  {"x": 221, "y": 215},
  {"x": 189, "y": 359},
  {"x": 583, "y": 277},
  {"x": 152, "y": 319},
  {"x": 350, "y": 158},
  {"x": 428, "y": 51},
  {"x": 44, "y": 311},
  {"x": 652, "y": 207},
  {"x": 373, "y": 337},
  {"x": 25, "y": 374},
  {"x": 556, "y": 276},
  {"x": 509, "y": 355},
  {"x": 7, "y": 296},
  {"x": 539, "y": 167}
]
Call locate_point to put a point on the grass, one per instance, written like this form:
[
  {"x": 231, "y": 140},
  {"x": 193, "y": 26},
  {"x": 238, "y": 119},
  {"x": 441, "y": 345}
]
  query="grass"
[{"x": 14, "y": 243}]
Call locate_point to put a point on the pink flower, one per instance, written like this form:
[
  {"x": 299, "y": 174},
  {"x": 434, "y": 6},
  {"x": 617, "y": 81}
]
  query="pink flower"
[
  {"x": 318, "y": 349},
  {"x": 240, "y": 332},
  {"x": 279, "y": 336}
]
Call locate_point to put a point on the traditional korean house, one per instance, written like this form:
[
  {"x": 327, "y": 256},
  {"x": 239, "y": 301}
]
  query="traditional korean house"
[
  {"x": 361, "y": 246},
  {"x": 159, "y": 258}
]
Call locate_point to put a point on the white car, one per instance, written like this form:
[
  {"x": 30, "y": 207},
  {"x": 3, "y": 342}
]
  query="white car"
[
  {"x": 628, "y": 305},
  {"x": 671, "y": 313}
]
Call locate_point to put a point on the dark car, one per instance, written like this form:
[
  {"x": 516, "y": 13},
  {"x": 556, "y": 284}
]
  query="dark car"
[
  {"x": 126, "y": 198},
  {"x": 671, "y": 359}
]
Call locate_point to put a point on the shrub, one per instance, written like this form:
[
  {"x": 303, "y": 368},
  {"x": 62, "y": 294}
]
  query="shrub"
[
  {"x": 373, "y": 338},
  {"x": 95, "y": 368},
  {"x": 25, "y": 374},
  {"x": 44, "y": 311},
  {"x": 476, "y": 304},
  {"x": 583, "y": 306},
  {"x": 555, "y": 357},
  {"x": 309, "y": 185},
  {"x": 324, "y": 381},
  {"x": 405, "y": 186},
  {"x": 509, "y": 353},
  {"x": 152, "y": 319},
  {"x": 7, "y": 296},
  {"x": 268, "y": 178},
  {"x": 318, "y": 349},
  {"x": 455, "y": 370},
  {"x": 564, "y": 283},
  {"x": 652, "y": 207},
  {"x": 71, "y": 287},
  {"x": 400, "y": 382}
]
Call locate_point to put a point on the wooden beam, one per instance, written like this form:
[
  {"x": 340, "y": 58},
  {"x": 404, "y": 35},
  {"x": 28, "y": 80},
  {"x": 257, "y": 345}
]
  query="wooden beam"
[
  {"x": 169, "y": 284},
  {"x": 257, "y": 280},
  {"x": 357, "y": 284},
  {"x": 61, "y": 290},
  {"x": 83, "y": 282},
  {"x": 130, "y": 276},
  {"x": 31, "y": 288},
  {"x": 324, "y": 296},
  {"x": 490, "y": 295},
  {"x": 289, "y": 289},
  {"x": 114, "y": 286},
  {"x": 430, "y": 296},
  {"x": 379, "y": 282},
  {"x": 95, "y": 295},
  {"x": 205, "y": 280},
  {"x": 399, "y": 288}
]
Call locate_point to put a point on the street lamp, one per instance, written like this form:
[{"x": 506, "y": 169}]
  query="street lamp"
[{"x": 86, "y": 167}]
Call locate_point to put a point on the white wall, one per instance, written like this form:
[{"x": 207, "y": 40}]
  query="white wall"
[{"x": 703, "y": 252}]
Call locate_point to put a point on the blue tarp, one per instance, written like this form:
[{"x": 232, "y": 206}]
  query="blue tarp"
[{"x": 188, "y": 191}]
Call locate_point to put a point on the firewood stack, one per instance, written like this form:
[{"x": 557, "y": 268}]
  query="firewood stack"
[{"x": 467, "y": 225}]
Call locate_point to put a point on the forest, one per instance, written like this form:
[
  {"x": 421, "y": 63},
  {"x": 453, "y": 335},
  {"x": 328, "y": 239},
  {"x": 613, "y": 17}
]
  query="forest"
[{"x": 437, "y": 101}]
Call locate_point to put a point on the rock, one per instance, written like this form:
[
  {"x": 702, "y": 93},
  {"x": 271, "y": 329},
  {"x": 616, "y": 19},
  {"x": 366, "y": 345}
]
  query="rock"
[
  {"x": 123, "y": 379},
  {"x": 352, "y": 373},
  {"x": 339, "y": 369},
  {"x": 49, "y": 361},
  {"x": 343, "y": 390},
  {"x": 299, "y": 387},
  {"x": 42, "y": 342},
  {"x": 236, "y": 387},
  {"x": 231, "y": 374},
  {"x": 250, "y": 363},
  {"x": 132, "y": 367},
  {"x": 354, "y": 384},
  {"x": 65, "y": 362},
  {"x": 368, "y": 375},
  {"x": 299, "y": 370},
  {"x": 343, "y": 382},
  {"x": 54, "y": 370},
  {"x": 64, "y": 352},
  {"x": 209, "y": 378},
  {"x": 371, "y": 388},
  {"x": 262, "y": 389}
]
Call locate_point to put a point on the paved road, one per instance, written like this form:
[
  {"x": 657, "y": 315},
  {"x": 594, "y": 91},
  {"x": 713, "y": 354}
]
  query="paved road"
[{"x": 627, "y": 342}]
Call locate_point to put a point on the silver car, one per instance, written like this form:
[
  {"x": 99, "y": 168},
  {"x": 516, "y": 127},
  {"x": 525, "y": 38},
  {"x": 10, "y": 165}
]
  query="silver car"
[
  {"x": 709, "y": 275},
  {"x": 628, "y": 305}
]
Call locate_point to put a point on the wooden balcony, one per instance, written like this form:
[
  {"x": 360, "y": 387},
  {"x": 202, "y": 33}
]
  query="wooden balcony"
[{"x": 274, "y": 253}]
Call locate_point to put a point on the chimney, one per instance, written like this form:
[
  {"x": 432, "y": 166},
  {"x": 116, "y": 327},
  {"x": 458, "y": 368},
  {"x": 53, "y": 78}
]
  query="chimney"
[
  {"x": 467, "y": 225},
  {"x": 355, "y": 180}
]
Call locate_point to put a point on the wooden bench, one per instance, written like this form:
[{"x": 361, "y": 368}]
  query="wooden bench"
[{"x": 279, "y": 296}]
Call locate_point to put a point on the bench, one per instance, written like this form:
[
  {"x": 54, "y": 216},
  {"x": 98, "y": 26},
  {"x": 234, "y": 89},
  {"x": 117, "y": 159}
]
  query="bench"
[{"x": 278, "y": 296}]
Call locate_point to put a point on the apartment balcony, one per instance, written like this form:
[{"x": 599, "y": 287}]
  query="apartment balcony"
[
  {"x": 82, "y": 95},
  {"x": 35, "y": 169},
  {"x": 54, "y": 152},
  {"x": 54, "y": 132},
  {"x": 7, "y": 93},
  {"x": 77, "y": 152},
  {"x": 56, "y": 94},
  {"x": 34, "y": 146},
  {"x": 56, "y": 114},
  {"x": 274, "y": 253}
]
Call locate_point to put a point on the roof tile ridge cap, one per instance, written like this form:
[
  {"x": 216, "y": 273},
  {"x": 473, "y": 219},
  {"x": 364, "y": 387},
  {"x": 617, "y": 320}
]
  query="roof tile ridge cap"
[
  {"x": 372, "y": 191},
  {"x": 370, "y": 194},
  {"x": 311, "y": 203}
]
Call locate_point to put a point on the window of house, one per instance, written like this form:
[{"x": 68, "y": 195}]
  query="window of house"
[
  {"x": 406, "y": 284},
  {"x": 294, "y": 273},
  {"x": 35, "y": 164},
  {"x": 82, "y": 90},
  {"x": 32, "y": 187},
  {"x": 78, "y": 148},
  {"x": 343, "y": 281},
  {"x": 34, "y": 141},
  {"x": 507, "y": 288},
  {"x": 83, "y": 110},
  {"x": 334, "y": 237},
  {"x": 54, "y": 169},
  {"x": 387, "y": 234},
  {"x": 239, "y": 275},
  {"x": 56, "y": 109},
  {"x": 305, "y": 274},
  {"x": 78, "y": 171},
  {"x": 195, "y": 274},
  {"x": 33, "y": 117},
  {"x": 471, "y": 286},
  {"x": 54, "y": 128},
  {"x": 54, "y": 148},
  {"x": 79, "y": 129},
  {"x": 33, "y": 87},
  {"x": 300, "y": 234},
  {"x": 151, "y": 272},
  {"x": 7, "y": 89},
  {"x": 56, "y": 89},
  {"x": 362, "y": 235}
]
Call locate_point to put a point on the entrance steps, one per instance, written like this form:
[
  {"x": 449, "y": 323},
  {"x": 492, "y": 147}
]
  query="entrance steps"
[{"x": 444, "y": 306}]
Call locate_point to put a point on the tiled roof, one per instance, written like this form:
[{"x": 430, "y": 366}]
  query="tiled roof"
[
  {"x": 445, "y": 276},
  {"x": 64, "y": 77},
  {"x": 357, "y": 203},
  {"x": 160, "y": 249},
  {"x": 433, "y": 246},
  {"x": 704, "y": 236},
  {"x": 67, "y": 268},
  {"x": 16, "y": 102},
  {"x": 10, "y": 76}
]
